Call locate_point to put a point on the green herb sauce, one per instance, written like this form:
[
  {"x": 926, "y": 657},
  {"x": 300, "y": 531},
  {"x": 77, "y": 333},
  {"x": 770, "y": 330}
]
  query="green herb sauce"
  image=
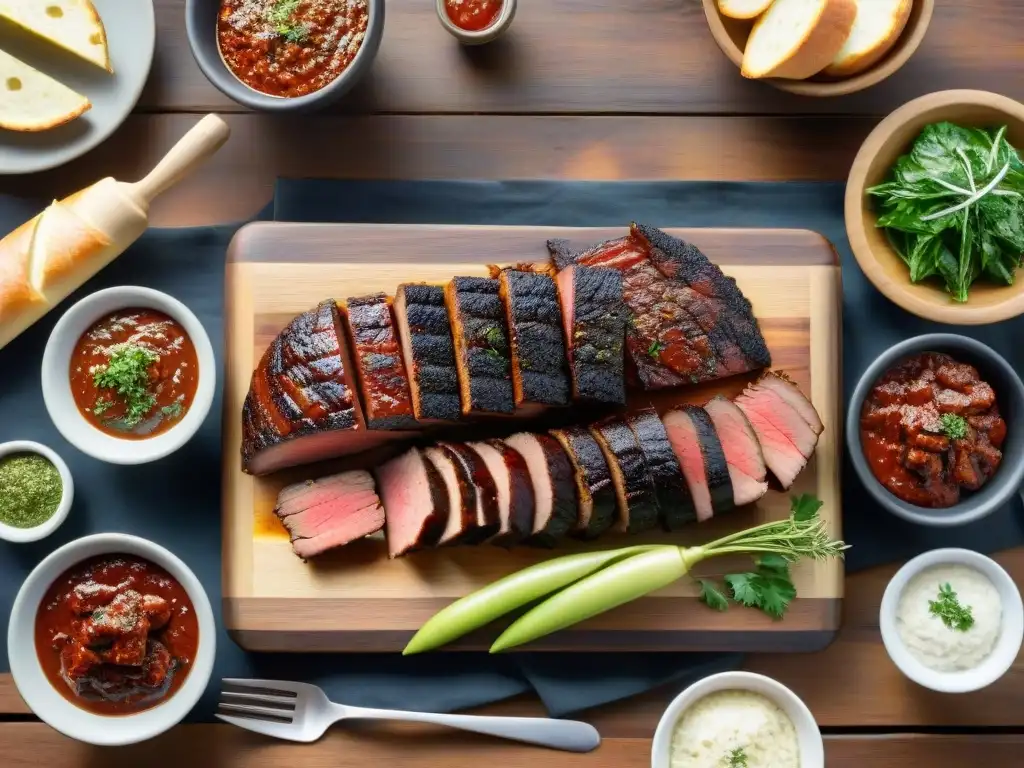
[{"x": 30, "y": 490}]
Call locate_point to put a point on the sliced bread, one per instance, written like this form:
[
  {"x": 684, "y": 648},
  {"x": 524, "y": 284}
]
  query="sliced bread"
[
  {"x": 796, "y": 39},
  {"x": 71, "y": 24},
  {"x": 31, "y": 101},
  {"x": 743, "y": 9},
  {"x": 878, "y": 26}
]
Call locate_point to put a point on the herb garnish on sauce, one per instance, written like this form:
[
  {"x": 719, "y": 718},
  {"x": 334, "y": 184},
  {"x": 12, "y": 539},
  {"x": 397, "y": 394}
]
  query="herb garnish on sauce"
[
  {"x": 280, "y": 15},
  {"x": 954, "y": 426},
  {"x": 953, "y": 613},
  {"x": 736, "y": 759},
  {"x": 127, "y": 374}
]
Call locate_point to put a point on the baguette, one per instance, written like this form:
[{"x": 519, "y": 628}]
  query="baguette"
[
  {"x": 796, "y": 39},
  {"x": 878, "y": 26},
  {"x": 74, "y": 25},
  {"x": 31, "y": 101},
  {"x": 743, "y": 9}
]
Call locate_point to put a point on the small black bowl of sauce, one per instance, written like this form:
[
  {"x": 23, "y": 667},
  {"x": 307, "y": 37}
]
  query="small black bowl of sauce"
[{"x": 934, "y": 430}]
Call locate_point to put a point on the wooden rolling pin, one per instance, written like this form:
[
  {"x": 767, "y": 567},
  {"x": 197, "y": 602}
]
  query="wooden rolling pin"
[{"x": 45, "y": 259}]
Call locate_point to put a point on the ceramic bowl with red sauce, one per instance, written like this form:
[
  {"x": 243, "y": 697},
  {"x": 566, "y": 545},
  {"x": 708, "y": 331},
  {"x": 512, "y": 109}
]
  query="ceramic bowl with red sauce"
[
  {"x": 935, "y": 430},
  {"x": 111, "y": 640}
]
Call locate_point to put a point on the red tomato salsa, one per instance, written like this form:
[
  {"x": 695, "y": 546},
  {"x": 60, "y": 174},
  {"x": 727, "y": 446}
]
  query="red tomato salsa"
[
  {"x": 473, "y": 15},
  {"x": 116, "y": 635},
  {"x": 290, "y": 48},
  {"x": 134, "y": 373},
  {"x": 931, "y": 427}
]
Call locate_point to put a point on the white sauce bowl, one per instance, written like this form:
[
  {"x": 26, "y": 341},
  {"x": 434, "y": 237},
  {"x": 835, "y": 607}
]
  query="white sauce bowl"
[
  {"x": 60, "y": 402},
  {"x": 1010, "y": 636},
  {"x": 25, "y": 535},
  {"x": 812, "y": 748}
]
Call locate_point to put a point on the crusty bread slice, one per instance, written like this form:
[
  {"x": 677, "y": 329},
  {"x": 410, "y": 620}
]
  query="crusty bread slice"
[
  {"x": 64, "y": 248},
  {"x": 878, "y": 26},
  {"x": 31, "y": 101},
  {"x": 72, "y": 24},
  {"x": 796, "y": 39},
  {"x": 743, "y": 9}
]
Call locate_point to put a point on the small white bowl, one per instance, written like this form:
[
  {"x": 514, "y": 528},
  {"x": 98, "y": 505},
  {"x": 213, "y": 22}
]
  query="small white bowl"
[
  {"x": 25, "y": 535},
  {"x": 480, "y": 36},
  {"x": 1007, "y": 646},
  {"x": 60, "y": 401},
  {"x": 812, "y": 748},
  {"x": 48, "y": 704}
]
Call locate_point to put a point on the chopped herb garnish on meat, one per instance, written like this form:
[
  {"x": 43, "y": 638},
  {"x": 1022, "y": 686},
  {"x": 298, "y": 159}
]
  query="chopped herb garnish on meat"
[
  {"x": 494, "y": 336},
  {"x": 655, "y": 349},
  {"x": 127, "y": 374},
  {"x": 493, "y": 353},
  {"x": 954, "y": 426},
  {"x": 953, "y": 613}
]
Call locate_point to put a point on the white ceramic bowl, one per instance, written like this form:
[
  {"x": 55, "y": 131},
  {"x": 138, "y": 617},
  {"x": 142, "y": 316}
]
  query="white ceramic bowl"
[
  {"x": 57, "y": 385},
  {"x": 1007, "y": 646},
  {"x": 48, "y": 704},
  {"x": 812, "y": 748},
  {"x": 24, "y": 535},
  {"x": 480, "y": 36}
]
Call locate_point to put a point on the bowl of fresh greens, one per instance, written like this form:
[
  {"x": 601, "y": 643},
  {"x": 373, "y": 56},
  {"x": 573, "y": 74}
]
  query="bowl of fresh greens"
[{"x": 935, "y": 207}]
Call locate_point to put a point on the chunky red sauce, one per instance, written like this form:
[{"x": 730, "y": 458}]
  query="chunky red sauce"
[
  {"x": 930, "y": 427},
  {"x": 116, "y": 635},
  {"x": 473, "y": 15},
  {"x": 290, "y": 48},
  {"x": 123, "y": 343}
]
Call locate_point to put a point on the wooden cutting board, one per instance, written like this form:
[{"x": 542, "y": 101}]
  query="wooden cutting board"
[{"x": 355, "y": 599}]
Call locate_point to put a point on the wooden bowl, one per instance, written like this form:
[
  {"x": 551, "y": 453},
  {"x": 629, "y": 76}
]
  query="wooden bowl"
[
  {"x": 893, "y": 137},
  {"x": 731, "y": 36}
]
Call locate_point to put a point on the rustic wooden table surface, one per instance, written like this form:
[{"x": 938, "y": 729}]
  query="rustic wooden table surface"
[{"x": 580, "y": 89}]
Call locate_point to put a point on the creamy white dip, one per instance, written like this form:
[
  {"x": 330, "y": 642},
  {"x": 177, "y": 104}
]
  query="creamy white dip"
[
  {"x": 720, "y": 723},
  {"x": 928, "y": 638}
]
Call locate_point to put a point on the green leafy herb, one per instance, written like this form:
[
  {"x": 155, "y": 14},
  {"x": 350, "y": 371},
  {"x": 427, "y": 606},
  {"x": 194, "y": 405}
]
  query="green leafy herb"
[
  {"x": 30, "y": 490},
  {"x": 805, "y": 506},
  {"x": 655, "y": 349},
  {"x": 736, "y": 759},
  {"x": 173, "y": 410},
  {"x": 712, "y": 596},
  {"x": 954, "y": 426},
  {"x": 494, "y": 337},
  {"x": 127, "y": 374},
  {"x": 281, "y": 11},
  {"x": 953, "y": 208},
  {"x": 102, "y": 406},
  {"x": 953, "y": 613}
]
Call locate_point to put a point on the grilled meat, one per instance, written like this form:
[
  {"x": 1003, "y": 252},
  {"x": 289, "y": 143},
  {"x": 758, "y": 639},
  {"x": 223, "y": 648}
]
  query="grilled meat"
[
  {"x": 556, "y": 509},
  {"x": 670, "y": 488},
  {"x": 594, "y": 486},
  {"x": 416, "y": 499},
  {"x": 462, "y": 501},
  {"x": 743, "y": 454},
  {"x": 426, "y": 337},
  {"x": 480, "y": 335},
  {"x": 700, "y": 454},
  {"x": 782, "y": 385},
  {"x": 514, "y": 487},
  {"x": 483, "y": 490},
  {"x": 634, "y": 487}
]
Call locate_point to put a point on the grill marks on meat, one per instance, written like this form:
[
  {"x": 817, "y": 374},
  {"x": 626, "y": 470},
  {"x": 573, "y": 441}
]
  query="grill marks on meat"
[
  {"x": 670, "y": 489},
  {"x": 378, "y": 362},
  {"x": 426, "y": 338},
  {"x": 482, "y": 352},
  {"x": 688, "y": 322},
  {"x": 702, "y": 459},
  {"x": 634, "y": 487},
  {"x": 594, "y": 486},
  {"x": 301, "y": 406},
  {"x": 329, "y": 512},
  {"x": 416, "y": 499},
  {"x": 534, "y": 320},
  {"x": 594, "y": 317},
  {"x": 556, "y": 508},
  {"x": 747, "y": 470}
]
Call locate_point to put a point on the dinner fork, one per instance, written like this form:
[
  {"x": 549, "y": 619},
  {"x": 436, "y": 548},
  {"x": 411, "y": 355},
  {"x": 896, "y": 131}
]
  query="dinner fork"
[{"x": 302, "y": 712}]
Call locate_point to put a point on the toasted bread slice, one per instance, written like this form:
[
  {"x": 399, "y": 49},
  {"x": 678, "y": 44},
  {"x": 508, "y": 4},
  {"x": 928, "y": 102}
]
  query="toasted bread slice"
[
  {"x": 878, "y": 26},
  {"x": 743, "y": 9},
  {"x": 71, "y": 24},
  {"x": 31, "y": 101},
  {"x": 796, "y": 39}
]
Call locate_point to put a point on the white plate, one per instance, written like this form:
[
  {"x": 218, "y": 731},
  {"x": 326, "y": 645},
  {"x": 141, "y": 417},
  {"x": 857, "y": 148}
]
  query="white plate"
[{"x": 131, "y": 35}]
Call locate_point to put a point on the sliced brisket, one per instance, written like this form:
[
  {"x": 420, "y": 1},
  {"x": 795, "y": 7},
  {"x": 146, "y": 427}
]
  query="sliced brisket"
[
  {"x": 482, "y": 354},
  {"x": 700, "y": 454},
  {"x": 515, "y": 490},
  {"x": 462, "y": 506},
  {"x": 747, "y": 469},
  {"x": 426, "y": 336},
  {"x": 594, "y": 486},
  {"x": 634, "y": 488},
  {"x": 483, "y": 490},
  {"x": 415, "y": 498},
  {"x": 556, "y": 509},
  {"x": 670, "y": 489},
  {"x": 782, "y": 385}
]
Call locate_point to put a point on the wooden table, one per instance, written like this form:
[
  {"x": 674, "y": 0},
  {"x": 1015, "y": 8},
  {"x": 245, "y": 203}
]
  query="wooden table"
[{"x": 581, "y": 89}]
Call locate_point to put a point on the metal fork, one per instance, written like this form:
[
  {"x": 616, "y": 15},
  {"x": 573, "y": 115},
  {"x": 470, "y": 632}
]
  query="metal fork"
[{"x": 302, "y": 712}]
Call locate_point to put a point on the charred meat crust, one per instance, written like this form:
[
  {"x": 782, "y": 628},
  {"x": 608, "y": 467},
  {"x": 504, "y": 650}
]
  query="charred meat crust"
[
  {"x": 670, "y": 488},
  {"x": 521, "y": 500},
  {"x": 535, "y": 334},
  {"x": 595, "y": 487},
  {"x": 638, "y": 507},
  {"x": 387, "y": 401},
  {"x": 483, "y": 493},
  {"x": 715, "y": 468},
  {"x": 481, "y": 345},
  {"x": 596, "y": 335},
  {"x": 430, "y": 355},
  {"x": 564, "y": 503}
]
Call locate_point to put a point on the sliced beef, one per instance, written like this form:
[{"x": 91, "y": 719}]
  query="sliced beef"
[
  {"x": 594, "y": 487},
  {"x": 301, "y": 406},
  {"x": 786, "y": 438},
  {"x": 700, "y": 454},
  {"x": 688, "y": 322},
  {"x": 482, "y": 489},
  {"x": 383, "y": 381},
  {"x": 634, "y": 487},
  {"x": 594, "y": 316},
  {"x": 482, "y": 354},
  {"x": 514, "y": 488},
  {"x": 670, "y": 488},
  {"x": 330, "y": 512},
  {"x": 747, "y": 469},
  {"x": 416, "y": 499},
  {"x": 462, "y": 505},
  {"x": 539, "y": 370},
  {"x": 556, "y": 509},
  {"x": 783, "y": 386},
  {"x": 426, "y": 337}
]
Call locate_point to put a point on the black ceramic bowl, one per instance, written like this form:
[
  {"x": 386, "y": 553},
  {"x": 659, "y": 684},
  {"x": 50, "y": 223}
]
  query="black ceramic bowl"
[
  {"x": 201, "y": 23},
  {"x": 1010, "y": 398}
]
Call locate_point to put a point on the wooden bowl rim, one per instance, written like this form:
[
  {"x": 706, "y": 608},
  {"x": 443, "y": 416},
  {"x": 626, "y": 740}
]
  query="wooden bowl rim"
[
  {"x": 871, "y": 76},
  {"x": 898, "y": 291}
]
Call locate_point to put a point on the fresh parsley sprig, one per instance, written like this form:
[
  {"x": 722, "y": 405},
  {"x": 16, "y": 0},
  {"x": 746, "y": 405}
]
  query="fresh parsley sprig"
[
  {"x": 127, "y": 374},
  {"x": 954, "y": 426},
  {"x": 737, "y": 758},
  {"x": 951, "y": 611}
]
